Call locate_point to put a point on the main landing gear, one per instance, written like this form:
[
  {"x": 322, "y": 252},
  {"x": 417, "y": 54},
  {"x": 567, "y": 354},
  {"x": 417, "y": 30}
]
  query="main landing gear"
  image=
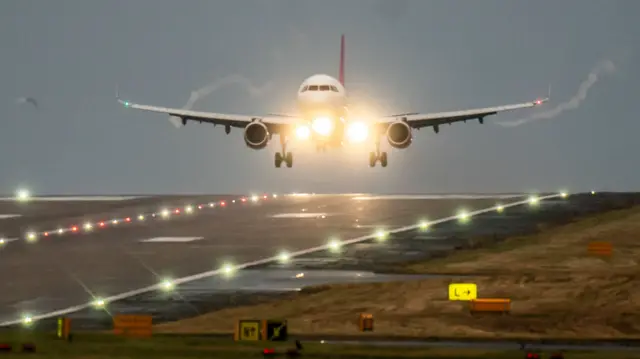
[
  {"x": 284, "y": 156},
  {"x": 377, "y": 155}
]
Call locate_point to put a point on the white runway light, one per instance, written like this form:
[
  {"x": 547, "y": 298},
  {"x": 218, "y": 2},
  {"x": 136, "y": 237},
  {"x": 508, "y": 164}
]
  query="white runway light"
[
  {"x": 284, "y": 257},
  {"x": 23, "y": 195},
  {"x": 167, "y": 285},
  {"x": 260, "y": 262}
]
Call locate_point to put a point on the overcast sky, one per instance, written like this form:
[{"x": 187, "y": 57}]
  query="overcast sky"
[{"x": 402, "y": 56}]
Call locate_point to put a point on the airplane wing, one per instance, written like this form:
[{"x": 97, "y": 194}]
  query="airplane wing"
[
  {"x": 180, "y": 117},
  {"x": 434, "y": 120}
]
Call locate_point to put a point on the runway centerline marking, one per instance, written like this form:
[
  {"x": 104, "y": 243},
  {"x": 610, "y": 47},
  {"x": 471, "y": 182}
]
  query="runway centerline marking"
[{"x": 276, "y": 258}]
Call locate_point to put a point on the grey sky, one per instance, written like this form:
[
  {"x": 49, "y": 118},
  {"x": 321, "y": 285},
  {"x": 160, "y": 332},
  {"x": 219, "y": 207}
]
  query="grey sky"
[{"x": 412, "y": 56}]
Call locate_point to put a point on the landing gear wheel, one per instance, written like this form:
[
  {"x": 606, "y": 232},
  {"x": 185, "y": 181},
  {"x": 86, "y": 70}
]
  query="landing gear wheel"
[
  {"x": 383, "y": 159},
  {"x": 278, "y": 160},
  {"x": 289, "y": 159},
  {"x": 372, "y": 159}
]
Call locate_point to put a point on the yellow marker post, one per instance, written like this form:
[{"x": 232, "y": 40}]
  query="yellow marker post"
[{"x": 463, "y": 291}]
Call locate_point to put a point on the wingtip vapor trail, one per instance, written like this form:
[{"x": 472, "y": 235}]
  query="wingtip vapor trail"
[{"x": 603, "y": 68}]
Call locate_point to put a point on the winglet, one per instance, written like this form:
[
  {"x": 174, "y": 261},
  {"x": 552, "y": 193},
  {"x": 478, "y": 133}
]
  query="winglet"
[{"x": 125, "y": 103}]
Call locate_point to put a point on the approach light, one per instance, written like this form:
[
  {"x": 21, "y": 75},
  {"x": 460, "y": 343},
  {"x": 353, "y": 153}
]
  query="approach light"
[
  {"x": 88, "y": 226},
  {"x": 141, "y": 217},
  {"x": 188, "y": 209},
  {"x": 275, "y": 195},
  {"x": 322, "y": 126},
  {"x": 2, "y": 241},
  {"x": 357, "y": 132},
  {"x": 165, "y": 213},
  {"x": 303, "y": 132}
]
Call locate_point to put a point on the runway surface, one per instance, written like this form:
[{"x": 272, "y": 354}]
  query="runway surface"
[{"x": 60, "y": 271}]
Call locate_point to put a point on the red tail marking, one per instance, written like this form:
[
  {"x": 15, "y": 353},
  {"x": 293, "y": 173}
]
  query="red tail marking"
[{"x": 341, "y": 74}]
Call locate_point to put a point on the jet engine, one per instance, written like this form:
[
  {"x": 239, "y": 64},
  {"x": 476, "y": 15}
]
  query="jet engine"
[
  {"x": 399, "y": 134},
  {"x": 256, "y": 135}
]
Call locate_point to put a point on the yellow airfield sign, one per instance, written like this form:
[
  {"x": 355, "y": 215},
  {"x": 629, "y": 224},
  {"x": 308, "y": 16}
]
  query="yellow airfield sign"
[{"x": 463, "y": 291}]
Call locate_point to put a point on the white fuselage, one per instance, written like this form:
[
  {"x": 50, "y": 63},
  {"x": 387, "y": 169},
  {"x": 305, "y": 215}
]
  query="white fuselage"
[
  {"x": 322, "y": 102},
  {"x": 322, "y": 95}
]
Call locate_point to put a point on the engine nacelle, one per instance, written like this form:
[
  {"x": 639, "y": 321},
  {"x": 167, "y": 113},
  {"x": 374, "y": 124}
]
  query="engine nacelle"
[
  {"x": 256, "y": 135},
  {"x": 399, "y": 134}
]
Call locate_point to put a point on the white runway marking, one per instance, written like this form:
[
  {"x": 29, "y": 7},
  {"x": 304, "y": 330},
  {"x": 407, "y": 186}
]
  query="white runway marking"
[
  {"x": 74, "y": 198},
  {"x": 299, "y": 215},
  {"x": 171, "y": 239},
  {"x": 7, "y": 216},
  {"x": 439, "y": 196},
  {"x": 159, "y": 286}
]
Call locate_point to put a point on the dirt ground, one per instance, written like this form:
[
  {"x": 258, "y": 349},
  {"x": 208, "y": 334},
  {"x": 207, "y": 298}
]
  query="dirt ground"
[{"x": 557, "y": 289}]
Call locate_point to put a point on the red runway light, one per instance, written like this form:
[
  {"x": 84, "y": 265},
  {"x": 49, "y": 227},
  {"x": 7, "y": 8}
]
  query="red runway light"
[
  {"x": 74, "y": 229},
  {"x": 244, "y": 199},
  {"x": 177, "y": 211},
  {"x": 101, "y": 224},
  {"x": 265, "y": 196},
  {"x": 128, "y": 219},
  {"x": 223, "y": 203},
  {"x": 199, "y": 207},
  {"x": 46, "y": 234}
]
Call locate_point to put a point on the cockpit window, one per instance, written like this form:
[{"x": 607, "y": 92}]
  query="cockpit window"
[
  {"x": 334, "y": 89},
  {"x": 324, "y": 88},
  {"x": 313, "y": 88},
  {"x": 304, "y": 89}
]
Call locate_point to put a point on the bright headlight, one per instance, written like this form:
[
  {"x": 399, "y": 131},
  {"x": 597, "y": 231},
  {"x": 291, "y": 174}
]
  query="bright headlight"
[
  {"x": 322, "y": 125},
  {"x": 357, "y": 132},
  {"x": 303, "y": 132}
]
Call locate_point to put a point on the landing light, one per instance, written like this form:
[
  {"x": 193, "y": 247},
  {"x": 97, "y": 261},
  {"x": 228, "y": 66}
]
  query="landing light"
[
  {"x": 357, "y": 132},
  {"x": 98, "y": 303},
  {"x": 533, "y": 200},
  {"x": 254, "y": 198},
  {"x": 593, "y": 192},
  {"x": 303, "y": 132},
  {"x": 563, "y": 194},
  {"x": 322, "y": 126},
  {"x": 2, "y": 241},
  {"x": 27, "y": 320},
  {"x": 88, "y": 226},
  {"x": 424, "y": 225},
  {"x": 381, "y": 235},
  {"x": 188, "y": 209},
  {"x": 500, "y": 208},
  {"x": 164, "y": 213},
  {"x": 141, "y": 217}
]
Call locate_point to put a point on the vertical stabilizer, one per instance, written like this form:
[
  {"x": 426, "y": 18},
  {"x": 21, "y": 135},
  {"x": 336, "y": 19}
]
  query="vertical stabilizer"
[{"x": 341, "y": 73}]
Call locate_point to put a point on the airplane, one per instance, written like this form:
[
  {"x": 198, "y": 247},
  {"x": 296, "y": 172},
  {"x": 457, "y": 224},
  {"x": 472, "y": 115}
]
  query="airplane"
[{"x": 324, "y": 119}]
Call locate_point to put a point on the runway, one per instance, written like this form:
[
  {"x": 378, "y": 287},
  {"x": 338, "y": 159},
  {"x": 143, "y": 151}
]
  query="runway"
[{"x": 61, "y": 271}]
